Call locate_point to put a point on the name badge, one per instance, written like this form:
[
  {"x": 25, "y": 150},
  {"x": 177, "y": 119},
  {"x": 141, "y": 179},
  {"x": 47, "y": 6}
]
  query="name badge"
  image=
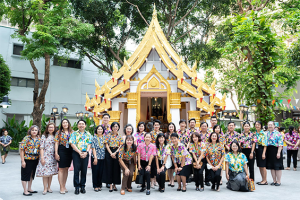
[
  {"x": 147, "y": 158},
  {"x": 161, "y": 162},
  {"x": 67, "y": 145},
  {"x": 129, "y": 162},
  {"x": 35, "y": 151}
]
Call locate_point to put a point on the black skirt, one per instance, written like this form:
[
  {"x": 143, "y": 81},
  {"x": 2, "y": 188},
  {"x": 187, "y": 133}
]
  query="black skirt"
[
  {"x": 186, "y": 171},
  {"x": 29, "y": 170},
  {"x": 272, "y": 161},
  {"x": 112, "y": 169},
  {"x": 153, "y": 169},
  {"x": 260, "y": 162},
  {"x": 65, "y": 155}
]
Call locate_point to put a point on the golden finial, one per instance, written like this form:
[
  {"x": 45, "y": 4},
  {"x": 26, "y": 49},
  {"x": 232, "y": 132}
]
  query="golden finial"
[
  {"x": 154, "y": 15},
  {"x": 115, "y": 68},
  {"x": 87, "y": 98},
  {"x": 97, "y": 85}
]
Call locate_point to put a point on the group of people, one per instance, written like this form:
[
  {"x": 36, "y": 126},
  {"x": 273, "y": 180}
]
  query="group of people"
[{"x": 153, "y": 156}]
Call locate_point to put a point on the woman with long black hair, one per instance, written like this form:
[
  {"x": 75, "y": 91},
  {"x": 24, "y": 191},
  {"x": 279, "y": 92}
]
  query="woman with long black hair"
[
  {"x": 197, "y": 148},
  {"x": 127, "y": 159},
  {"x": 248, "y": 143},
  {"x": 292, "y": 140},
  {"x": 171, "y": 170},
  {"x": 162, "y": 152},
  {"x": 63, "y": 153}
]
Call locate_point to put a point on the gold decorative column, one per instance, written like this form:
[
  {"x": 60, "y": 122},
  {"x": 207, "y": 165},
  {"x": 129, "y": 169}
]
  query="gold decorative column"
[
  {"x": 195, "y": 114},
  {"x": 132, "y": 100},
  {"x": 114, "y": 116},
  {"x": 175, "y": 100}
]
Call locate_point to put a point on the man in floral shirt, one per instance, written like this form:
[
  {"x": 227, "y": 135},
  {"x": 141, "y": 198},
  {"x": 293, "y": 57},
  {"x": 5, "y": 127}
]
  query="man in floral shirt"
[
  {"x": 231, "y": 135},
  {"x": 80, "y": 141},
  {"x": 105, "y": 124}
]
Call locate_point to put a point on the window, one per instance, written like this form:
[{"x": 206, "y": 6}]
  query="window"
[
  {"x": 67, "y": 63},
  {"x": 24, "y": 82},
  {"x": 17, "y": 49}
]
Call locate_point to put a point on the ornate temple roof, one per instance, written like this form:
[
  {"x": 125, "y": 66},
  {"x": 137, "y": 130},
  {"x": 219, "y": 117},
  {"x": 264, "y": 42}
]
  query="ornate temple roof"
[{"x": 121, "y": 78}]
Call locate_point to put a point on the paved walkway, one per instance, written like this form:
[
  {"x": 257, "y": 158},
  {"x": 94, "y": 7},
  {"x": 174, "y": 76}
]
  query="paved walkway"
[{"x": 11, "y": 189}]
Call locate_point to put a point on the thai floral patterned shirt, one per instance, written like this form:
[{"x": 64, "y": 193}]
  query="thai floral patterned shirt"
[
  {"x": 5, "y": 139},
  {"x": 215, "y": 153},
  {"x": 230, "y": 137},
  {"x": 204, "y": 136},
  {"x": 146, "y": 151},
  {"x": 292, "y": 139},
  {"x": 128, "y": 155},
  {"x": 236, "y": 162},
  {"x": 180, "y": 151},
  {"x": 31, "y": 147},
  {"x": 261, "y": 138},
  {"x": 154, "y": 135},
  {"x": 197, "y": 148},
  {"x": 113, "y": 140},
  {"x": 163, "y": 151},
  {"x": 98, "y": 145},
  {"x": 184, "y": 137},
  {"x": 62, "y": 138},
  {"x": 275, "y": 138},
  {"x": 247, "y": 140},
  {"x": 139, "y": 137},
  {"x": 107, "y": 130},
  {"x": 81, "y": 140}
]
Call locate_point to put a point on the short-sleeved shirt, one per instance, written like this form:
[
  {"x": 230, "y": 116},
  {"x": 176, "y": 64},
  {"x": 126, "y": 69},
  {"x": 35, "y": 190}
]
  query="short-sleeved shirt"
[
  {"x": 128, "y": 155},
  {"x": 5, "y": 139},
  {"x": 274, "y": 138},
  {"x": 98, "y": 145},
  {"x": 292, "y": 139},
  {"x": 247, "y": 140},
  {"x": 230, "y": 137},
  {"x": 63, "y": 138},
  {"x": 262, "y": 138},
  {"x": 180, "y": 151},
  {"x": 215, "y": 153},
  {"x": 154, "y": 135},
  {"x": 163, "y": 151},
  {"x": 139, "y": 137},
  {"x": 236, "y": 162},
  {"x": 146, "y": 151},
  {"x": 197, "y": 148},
  {"x": 107, "y": 130},
  {"x": 31, "y": 147},
  {"x": 184, "y": 136},
  {"x": 81, "y": 140},
  {"x": 114, "y": 140},
  {"x": 204, "y": 136}
]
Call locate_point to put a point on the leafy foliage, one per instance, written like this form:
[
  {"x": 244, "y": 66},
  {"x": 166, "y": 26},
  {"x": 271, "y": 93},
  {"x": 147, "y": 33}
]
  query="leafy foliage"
[
  {"x": 4, "y": 78},
  {"x": 289, "y": 122}
]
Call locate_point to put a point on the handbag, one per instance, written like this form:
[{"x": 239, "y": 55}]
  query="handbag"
[
  {"x": 139, "y": 178},
  {"x": 251, "y": 185},
  {"x": 169, "y": 162}
]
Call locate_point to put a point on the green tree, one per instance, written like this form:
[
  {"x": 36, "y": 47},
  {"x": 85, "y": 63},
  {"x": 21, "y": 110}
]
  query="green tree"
[
  {"x": 4, "y": 78},
  {"x": 252, "y": 58},
  {"x": 185, "y": 23},
  {"x": 41, "y": 25}
]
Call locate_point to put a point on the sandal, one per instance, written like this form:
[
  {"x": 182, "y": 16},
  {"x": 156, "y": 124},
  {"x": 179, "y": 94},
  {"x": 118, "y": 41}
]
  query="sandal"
[
  {"x": 178, "y": 189},
  {"x": 260, "y": 183},
  {"x": 273, "y": 183}
]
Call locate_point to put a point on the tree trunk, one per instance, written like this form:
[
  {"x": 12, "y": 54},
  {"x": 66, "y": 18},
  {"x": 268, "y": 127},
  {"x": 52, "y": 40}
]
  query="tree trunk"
[{"x": 39, "y": 98}]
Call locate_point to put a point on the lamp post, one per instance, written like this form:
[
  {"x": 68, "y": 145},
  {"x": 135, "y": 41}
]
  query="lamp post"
[
  {"x": 55, "y": 113},
  {"x": 5, "y": 102},
  {"x": 79, "y": 115},
  {"x": 244, "y": 109},
  {"x": 230, "y": 114}
]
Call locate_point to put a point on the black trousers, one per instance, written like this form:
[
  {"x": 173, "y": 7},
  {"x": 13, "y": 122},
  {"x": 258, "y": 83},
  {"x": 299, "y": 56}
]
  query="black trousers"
[
  {"x": 145, "y": 173},
  {"x": 112, "y": 168},
  {"x": 97, "y": 172},
  {"x": 216, "y": 177},
  {"x": 247, "y": 152},
  {"x": 291, "y": 153},
  {"x": 161, "y": 177},
  {"x": 198, "y": 175},
  {"x": 80, "y": 166}
]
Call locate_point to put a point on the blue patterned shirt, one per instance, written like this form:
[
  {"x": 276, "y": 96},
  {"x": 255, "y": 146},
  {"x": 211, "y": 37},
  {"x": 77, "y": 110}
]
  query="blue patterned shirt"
[
  {"x": 274, "y": 138},
  {"x": 98, "y": 145},
  {"x": 5, "y": 139}
]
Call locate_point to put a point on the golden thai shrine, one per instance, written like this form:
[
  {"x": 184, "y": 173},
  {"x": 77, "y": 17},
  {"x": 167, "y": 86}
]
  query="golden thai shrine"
[{"x": 154, "y": 82}]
